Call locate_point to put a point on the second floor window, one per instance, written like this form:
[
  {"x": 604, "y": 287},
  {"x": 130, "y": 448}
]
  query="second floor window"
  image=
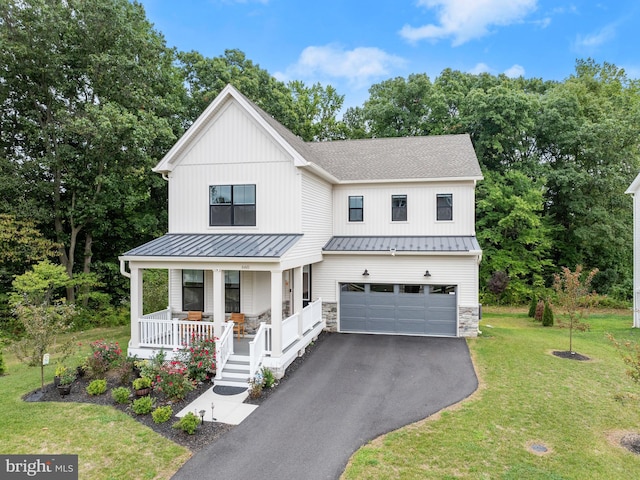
[
  {"x": 232, "y": 205},
  {"x": 399, "y": 208},
  {"x": 444, "y": 206},
  {"x": 356, "y": 209}
]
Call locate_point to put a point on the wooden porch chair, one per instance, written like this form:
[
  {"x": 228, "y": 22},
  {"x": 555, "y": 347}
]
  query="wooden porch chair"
[
  {"x": 238, "y": 323},
  {"x": 194, "y": 316}
]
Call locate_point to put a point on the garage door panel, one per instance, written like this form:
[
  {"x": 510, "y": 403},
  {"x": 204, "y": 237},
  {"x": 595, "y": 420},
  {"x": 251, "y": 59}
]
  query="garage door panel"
[{"x": 430, "y": 311}]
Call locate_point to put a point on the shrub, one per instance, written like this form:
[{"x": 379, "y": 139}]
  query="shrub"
[
  {"x": 142, "y": 405},
  {"x": 3, "y": 369},
  {"x": 172, "y": 381},
  {"x": 123, "y": 372},
  {"x": 96, "y": 387},
  {"x": 141, "y": 383},
  {"x": 162, "y": 414},
  {"x": 120, "y": 395},
  {"x": 199, "y": 358},
  {"x": 103, "y": 357},
  {"x": 188, "y": 424},
  {"x": 539, "y": 311},
  {"x": 269, "y": 380},
  {"x": 547, "y": 316},
  {"x": 255, "y": 385},
  {"x": 532, "y": 306}
]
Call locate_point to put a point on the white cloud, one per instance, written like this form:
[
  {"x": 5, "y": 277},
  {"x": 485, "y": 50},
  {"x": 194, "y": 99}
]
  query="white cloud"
[
  {"x": 594, "y": 40},
  {"x": 465, "y": 20},
  {"x": 480, "y": 68},
  {"x": 514, "y": 71},
  {"x": 359, "y": 66}
]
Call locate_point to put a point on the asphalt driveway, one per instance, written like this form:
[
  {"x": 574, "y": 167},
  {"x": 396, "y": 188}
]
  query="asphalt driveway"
[{"x": 352, "y": 389}]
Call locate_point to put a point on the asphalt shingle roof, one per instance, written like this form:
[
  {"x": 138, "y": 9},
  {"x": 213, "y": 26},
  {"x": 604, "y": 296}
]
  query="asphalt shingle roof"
[{"x": 216, "y": 245}]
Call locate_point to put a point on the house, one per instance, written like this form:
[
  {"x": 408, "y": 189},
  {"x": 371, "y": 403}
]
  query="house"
[
  {"x": 633, "y": 190},
  {"x": 372, "y": 236}
]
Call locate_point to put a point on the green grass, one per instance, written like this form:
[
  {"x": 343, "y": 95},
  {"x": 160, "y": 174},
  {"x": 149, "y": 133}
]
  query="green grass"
[
  {"x": 109, "y": 443},
  {"x": 526, "y": 396}
]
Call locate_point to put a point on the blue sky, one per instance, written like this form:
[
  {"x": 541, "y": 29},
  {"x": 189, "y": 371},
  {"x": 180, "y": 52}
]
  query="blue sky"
[{"x": 354, "y": 44}]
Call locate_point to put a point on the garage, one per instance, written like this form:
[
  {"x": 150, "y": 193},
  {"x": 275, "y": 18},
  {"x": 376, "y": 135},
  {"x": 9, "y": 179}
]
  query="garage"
[{"x": 398, "y": 309}]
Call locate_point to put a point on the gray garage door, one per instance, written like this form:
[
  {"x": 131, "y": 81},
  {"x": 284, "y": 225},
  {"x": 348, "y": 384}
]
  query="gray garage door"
[{"x": 402, "y": 309}]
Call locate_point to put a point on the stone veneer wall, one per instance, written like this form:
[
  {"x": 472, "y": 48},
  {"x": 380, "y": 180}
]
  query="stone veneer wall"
[
  {"x": 330, "y": 314},
  {"x": 468, "y": 321}
]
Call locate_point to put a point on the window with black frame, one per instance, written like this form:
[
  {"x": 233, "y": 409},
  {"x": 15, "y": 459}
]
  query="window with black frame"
[
  {"x": 232, "y": 291},
  {"x": 232, "y": 205},
  {"x": 444, "y": 206},
  {"x": 193, "y": 290},
  {"x": 399, "y": 208},
  {"x": 356, "y": 209}
]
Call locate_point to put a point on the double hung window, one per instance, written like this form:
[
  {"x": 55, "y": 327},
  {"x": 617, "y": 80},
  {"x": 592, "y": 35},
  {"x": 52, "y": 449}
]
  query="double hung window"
[
  {"x": 232, "y": 205},
  {"x": 444, "y": 206},
  {"x": 398, "y": 208},
  {"x": 356, "y": 209}
]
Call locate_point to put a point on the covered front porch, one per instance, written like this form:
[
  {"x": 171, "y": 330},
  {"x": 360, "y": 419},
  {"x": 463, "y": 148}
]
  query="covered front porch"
[
  {"x": 214, "y": 275},
  {"x": 238, "y": 357}
]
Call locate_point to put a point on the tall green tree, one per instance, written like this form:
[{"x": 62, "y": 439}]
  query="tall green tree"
[
  {"x": 309, "y": 112},
  {"x": 587, "y": 132},
  {"x": 90, "y": 101},
  {"x": 512, "y": 233}
]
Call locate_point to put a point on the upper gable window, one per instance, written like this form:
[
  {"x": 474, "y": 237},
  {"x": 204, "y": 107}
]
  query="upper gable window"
[
  {"x": 232, "y": 205},
  {"x": 444, "y": 206},
  {"x": 356, "y": 209},
  {"x": 398, "y": 208}
]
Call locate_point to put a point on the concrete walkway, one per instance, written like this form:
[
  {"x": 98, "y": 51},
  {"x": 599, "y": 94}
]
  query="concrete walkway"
[{"x": 352, "y": 389}]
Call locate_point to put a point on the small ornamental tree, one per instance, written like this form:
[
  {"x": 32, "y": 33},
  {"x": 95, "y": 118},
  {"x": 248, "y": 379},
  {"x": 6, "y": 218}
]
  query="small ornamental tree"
[
  {"x": 630, "y": 352},
  {"x": 498, "y": 283},
  {"x": 43, "y": 315},
  {"x": 574, "y": 297}
]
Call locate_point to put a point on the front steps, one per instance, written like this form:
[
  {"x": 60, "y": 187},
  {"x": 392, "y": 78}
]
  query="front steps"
[{"x": 235, "y": 372}]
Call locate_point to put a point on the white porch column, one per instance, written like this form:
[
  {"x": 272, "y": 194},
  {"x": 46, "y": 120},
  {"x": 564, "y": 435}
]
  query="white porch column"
[
  {"x": 136, "y": 304},
  {"x": 218, "y": 301},
  {"x": 297, "y": 297},
  {"x": 276, "y": 314}
]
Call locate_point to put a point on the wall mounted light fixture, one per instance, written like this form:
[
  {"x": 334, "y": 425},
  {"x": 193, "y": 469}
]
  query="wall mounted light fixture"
[
  {"x": 427, "y": 274},
  {"x": 365, "y": 273}
]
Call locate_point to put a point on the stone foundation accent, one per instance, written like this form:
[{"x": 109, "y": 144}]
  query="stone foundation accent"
[
  {"x": 330, "y": 314},
  {"x": 468, "y": 321}
]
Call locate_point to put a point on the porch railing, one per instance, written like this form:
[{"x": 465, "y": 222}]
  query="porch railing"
[
  {"x": 171, "y": 333},
  {"x": 259, "y": 348},
  {"x": 224, "y": 348}
]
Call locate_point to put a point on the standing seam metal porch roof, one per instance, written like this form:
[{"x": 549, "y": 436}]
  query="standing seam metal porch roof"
[
  {"x": 217, "y": 245},
  {"x": 402, "y": 244}
]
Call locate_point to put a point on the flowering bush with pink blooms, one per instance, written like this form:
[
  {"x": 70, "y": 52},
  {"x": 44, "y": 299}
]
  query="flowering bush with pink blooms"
[
  {"x": 104, "y": 356},
  {"x": 172, "y": 380},
  {"x": 200, "y": 358}
]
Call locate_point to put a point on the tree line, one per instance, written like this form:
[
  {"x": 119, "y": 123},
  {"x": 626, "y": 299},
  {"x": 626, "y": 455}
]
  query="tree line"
[{"x": 91, "y": 97}]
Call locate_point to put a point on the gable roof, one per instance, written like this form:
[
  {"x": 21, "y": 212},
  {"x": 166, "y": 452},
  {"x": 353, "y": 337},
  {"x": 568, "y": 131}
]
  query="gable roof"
[
  {"x": 439, "y": 157},
  {"x": 633, "y": 188}
]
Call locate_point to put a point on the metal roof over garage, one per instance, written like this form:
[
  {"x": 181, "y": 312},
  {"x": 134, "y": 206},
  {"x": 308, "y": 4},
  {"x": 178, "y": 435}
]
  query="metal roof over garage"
[
  {"x": 402, "y": 244},
  {"x": 216, "y": 245}
]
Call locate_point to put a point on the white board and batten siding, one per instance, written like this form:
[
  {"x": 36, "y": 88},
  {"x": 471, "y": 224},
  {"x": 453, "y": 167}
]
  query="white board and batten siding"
[
  {"x": 399, "y": 269},
  {"x": 421, "y": 209},
  {"x": 234, "y": 150}
]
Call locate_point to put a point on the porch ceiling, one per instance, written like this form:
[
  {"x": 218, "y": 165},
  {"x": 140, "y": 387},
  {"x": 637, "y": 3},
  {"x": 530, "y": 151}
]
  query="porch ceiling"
[
  {"x": 216, "y": 245},
  {"x": 399, "y": 244}
]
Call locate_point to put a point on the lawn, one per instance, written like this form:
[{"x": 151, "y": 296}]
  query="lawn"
[
  {"x": 526, "y": 397},
  {"x": 109, "y": 443}
]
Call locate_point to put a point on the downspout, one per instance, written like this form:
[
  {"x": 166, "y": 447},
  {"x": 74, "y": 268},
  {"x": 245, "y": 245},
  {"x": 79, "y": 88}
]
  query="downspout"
[{"x": 123, "y": 271}]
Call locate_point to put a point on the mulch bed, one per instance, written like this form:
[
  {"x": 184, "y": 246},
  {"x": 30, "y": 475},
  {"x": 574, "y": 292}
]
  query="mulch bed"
[
  {"x": 570, "y": 355},
  {"x": 206, "y": 433},
  {"x": 631, "y": 442}
]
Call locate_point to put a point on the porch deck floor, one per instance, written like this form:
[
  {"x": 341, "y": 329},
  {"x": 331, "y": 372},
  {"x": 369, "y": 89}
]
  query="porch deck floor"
[{"x": 241, "y": 345}]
